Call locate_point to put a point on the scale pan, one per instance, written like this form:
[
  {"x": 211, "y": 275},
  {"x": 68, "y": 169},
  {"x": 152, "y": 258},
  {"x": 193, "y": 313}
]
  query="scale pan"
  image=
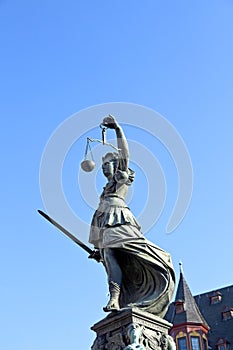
[{"x": 87, "y": 165}]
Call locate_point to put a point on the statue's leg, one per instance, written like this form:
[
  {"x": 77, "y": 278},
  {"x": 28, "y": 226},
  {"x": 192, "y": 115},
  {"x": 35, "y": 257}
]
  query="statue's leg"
[
  {"x": 114, "y": 279},
  {"x": 112, "y": 267}
]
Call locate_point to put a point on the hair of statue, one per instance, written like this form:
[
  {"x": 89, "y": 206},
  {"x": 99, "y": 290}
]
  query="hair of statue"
[{"x": 112, "y": 156}]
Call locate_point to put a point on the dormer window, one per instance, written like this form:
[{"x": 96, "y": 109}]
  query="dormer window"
[
  {"x": 222, "y": 344},
  {"x": 227, "y": 313},
  {"x": 179, "y": 306},
  {"x": 215, "y": 297}
]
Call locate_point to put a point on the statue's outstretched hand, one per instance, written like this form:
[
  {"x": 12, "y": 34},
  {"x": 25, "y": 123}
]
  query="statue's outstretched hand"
[{"x": 110, "y": 122}]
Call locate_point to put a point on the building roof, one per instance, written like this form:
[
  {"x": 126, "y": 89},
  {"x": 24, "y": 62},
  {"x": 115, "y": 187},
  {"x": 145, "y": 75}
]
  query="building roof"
[
  {"x": 206, "y": 308},
  {"x": 191, "y": 313},
  {"x": 213, "y": 313}
]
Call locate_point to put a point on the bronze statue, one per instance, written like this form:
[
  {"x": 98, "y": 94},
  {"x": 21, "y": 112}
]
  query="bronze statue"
[{"x": 140, "y": 274}]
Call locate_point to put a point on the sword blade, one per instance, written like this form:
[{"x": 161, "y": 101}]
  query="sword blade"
[{"x": 67, "y": 233}]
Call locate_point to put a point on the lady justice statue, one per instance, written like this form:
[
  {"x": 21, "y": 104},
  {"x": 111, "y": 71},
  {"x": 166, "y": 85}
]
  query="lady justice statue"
[{"x": 140, "y": 274}]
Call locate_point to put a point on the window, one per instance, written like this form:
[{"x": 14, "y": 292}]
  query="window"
[
  {"x": 179, "y": 306},
  {"x": 205, "y": 344},
  {"x": 215, "y": 298},
  {"x": 222, "y": 344},
  {"x": 195, "y": 341},
  {"x": 227, "y": 313},
  {"x": 182, "y": 344}
]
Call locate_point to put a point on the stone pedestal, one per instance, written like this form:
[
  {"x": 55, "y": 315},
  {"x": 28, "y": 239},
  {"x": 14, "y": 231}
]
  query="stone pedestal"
[{"x": 130, "y": 329}]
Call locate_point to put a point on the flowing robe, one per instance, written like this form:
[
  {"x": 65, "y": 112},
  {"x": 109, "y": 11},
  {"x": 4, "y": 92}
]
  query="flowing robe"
[{"x": 148, "y": 276}]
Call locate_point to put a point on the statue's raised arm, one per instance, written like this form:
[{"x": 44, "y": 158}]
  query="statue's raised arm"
[{"x": 122, "y": 144}]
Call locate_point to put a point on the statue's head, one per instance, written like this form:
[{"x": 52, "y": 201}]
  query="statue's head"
[{"x": 109, "y": 163}]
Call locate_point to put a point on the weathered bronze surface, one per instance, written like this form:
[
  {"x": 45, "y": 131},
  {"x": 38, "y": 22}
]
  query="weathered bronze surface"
[{"x": 140, "y": 274}]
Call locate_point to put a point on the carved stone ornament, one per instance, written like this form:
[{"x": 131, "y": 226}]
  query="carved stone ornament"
[
  {"x": 134, "y": 336},
  {"x": 132, "y": 330},
  {"x": 115, "y": 342}
]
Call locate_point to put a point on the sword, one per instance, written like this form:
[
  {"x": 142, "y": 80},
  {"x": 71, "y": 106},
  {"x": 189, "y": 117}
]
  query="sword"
[{"x": 67, "y": 233}]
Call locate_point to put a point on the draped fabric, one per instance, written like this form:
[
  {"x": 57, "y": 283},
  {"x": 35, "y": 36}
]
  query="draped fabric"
[
  {"x": 112, "y": 212},
  {"x": 148, "y": 275}
]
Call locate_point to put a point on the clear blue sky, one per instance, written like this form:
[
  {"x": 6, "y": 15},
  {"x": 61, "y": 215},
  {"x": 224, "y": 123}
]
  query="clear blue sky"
[{"x": 58, "y": 57}]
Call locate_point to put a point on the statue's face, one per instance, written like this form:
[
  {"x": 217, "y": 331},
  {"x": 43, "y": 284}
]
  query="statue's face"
[{"x": 108, "y": 167}]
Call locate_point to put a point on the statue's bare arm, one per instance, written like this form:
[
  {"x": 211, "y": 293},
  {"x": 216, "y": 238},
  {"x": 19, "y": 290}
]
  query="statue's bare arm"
[{"x": 122, "y": 144}]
